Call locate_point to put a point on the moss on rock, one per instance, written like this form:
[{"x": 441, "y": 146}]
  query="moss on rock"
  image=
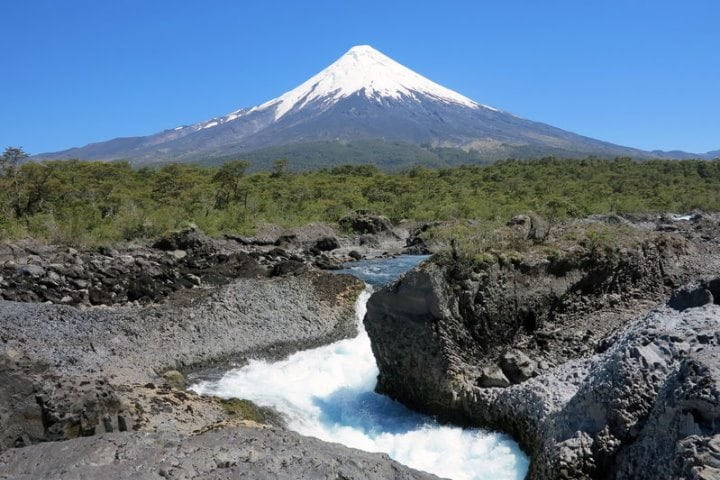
[{"x": 242, "y": 409}]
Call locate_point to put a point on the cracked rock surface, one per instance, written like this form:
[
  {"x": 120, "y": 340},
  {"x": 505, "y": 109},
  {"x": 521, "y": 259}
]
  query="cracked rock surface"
[{"x": 239, "y": 452}]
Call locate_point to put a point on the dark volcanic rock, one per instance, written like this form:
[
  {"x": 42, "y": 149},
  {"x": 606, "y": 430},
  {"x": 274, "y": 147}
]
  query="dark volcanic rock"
[
  {"x": 560, "y": 354},
  {"x": 517, "y": 366},
  {"x": 363, "y": 221},
  {"x": 327, "y": 244},
  {"x": 647, "y": 407},
  {"x": 182, "y": 260},
  {"x": 187, "y": 239},
  {"x": 239, "y": 452}
]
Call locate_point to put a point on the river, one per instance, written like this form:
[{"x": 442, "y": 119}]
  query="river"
[{"x": 328, "y": 393}]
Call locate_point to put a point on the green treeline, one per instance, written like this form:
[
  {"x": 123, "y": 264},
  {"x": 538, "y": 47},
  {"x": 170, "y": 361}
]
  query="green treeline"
[{"x": 94, "y": 202}]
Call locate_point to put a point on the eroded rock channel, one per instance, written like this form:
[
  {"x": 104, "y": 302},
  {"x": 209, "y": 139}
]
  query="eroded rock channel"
[
  {"x": 602, "y": 362},
  {"x": 598, "y": 354}
]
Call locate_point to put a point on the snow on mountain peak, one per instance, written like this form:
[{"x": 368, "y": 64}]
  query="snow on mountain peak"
[{"x": 362, "y": 68}]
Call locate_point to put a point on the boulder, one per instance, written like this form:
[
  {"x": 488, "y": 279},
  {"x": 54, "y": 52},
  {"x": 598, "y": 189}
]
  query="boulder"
[
  {"x": 493, "y": 377},
  {"x": 532, "y": 226},
  {"x": 187, "y": 239},
  {"x": 288, "y": 267},
  {"x": 326, "y": 263},
  {"x": 363, "y": 221},
  {"x": 327, "y": 244},
  {"x": 517, "y": 366},
  {"x": 31, "y": 270}
]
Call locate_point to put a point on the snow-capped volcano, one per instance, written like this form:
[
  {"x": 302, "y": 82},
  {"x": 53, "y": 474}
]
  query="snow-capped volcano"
[
  {"x": 362, "y": 70},
  {"x": 363, "y": 95},
  {"x": 366, "y": 71}
]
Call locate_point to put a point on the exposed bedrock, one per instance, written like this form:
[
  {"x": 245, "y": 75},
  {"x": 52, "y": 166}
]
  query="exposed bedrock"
[
  {"x": 563, "y": 354},
  {"x": 257, "y": 453},
  {"x": 66, "y": 372}
]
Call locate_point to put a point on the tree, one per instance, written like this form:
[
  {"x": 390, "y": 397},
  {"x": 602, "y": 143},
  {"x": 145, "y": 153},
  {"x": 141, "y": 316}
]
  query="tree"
[
  {"x": 228, "y": 180},
  {"x": 11, "y": 158},
  {"x": 278, "y": 168},
  {"x": 34, "y": 179},
  {"x": 180, "y": 185},
  {"x": 9, "y": 161}
]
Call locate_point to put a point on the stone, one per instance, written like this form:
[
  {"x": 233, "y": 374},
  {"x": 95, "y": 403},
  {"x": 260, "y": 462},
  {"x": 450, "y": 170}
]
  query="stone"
[
  {"x": 178, "y": 254},
  {"x": 79, "y": 372},
  {"x": 325, "y": 263},
  {"x": 126, "y": 259},
  {"x": 54, "y": 278},
  {"x": 31, "y": 270},
  {"x": 190, "y": 238},
  {"x": 517, "y": 366},
  {"x": 691, "y": 297},
  {"x": 365, "y": 222},
  {"x": 327, "y": 244},
  {"x": 493, "y": 377},
  {"x": 532, "y": 226},
  {"x": 288, "y": 267}
]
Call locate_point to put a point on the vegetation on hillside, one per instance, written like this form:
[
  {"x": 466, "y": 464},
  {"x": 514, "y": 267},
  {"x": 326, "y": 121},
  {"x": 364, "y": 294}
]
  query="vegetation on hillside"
[
  {"x": 94, "y": 202},
  {"x": 391, "y": 156}
]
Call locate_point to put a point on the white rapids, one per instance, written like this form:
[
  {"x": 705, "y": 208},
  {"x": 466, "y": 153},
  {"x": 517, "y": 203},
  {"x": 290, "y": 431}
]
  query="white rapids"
[{"x": 328, "y": 393}]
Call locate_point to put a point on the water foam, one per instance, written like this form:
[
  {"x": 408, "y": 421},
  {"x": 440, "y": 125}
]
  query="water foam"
[{"x": 327, "y": 393}]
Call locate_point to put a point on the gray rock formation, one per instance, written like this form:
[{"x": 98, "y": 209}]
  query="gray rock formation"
[
  {"x": 68, "y": 372},
  {"x": 239, "y": 452},
  {"x": 560, "y": 355}
]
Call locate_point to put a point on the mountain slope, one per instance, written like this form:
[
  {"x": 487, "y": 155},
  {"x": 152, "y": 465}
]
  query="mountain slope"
[{"x": 364, "y": 95}]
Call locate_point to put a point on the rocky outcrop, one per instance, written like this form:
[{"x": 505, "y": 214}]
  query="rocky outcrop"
[
  {"x": 68, "y": 372},
  {"x": 134, "y": 274},
  {"x": 558, "y": 352},
  {"x": 365, "y": 222},
  {"x": 131, "y": 275},
  {"x": 239, "y": 452}
]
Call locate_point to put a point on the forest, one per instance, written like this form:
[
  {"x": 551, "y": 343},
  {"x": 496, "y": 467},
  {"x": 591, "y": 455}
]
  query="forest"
[{"x": 87, "y": 203}]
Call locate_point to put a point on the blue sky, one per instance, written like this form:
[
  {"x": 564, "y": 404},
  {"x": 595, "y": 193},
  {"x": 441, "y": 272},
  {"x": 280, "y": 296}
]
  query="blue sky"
[{"x": 642, "y": 73}]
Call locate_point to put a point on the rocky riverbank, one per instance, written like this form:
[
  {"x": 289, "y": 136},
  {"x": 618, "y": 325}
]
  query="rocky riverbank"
[
  {"x": 134, "y": 274},
  {"x": 553, "y": 344},
  {"x": 96, "y": 343},
  {"x": 68, "y": 372}
]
